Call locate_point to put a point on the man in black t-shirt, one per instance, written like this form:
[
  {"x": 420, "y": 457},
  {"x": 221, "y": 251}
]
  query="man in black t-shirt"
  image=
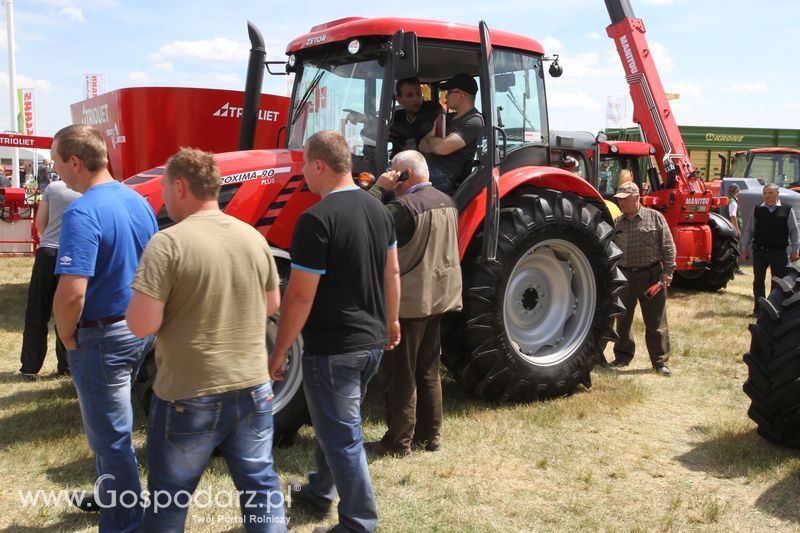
[
  {"x": 344, "y": 293},
  {"x": 450, "y": 158},
  {"x": 411, "y": 123}
]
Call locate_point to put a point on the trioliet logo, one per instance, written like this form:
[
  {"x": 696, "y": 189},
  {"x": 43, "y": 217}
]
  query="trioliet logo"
[{"x": 227, "y": 110}]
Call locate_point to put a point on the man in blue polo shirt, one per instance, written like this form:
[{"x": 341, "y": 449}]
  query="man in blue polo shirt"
[{"x": 103, "y": 234}]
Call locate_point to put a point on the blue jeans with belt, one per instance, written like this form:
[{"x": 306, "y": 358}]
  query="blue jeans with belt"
[
  {"x": 334, "y": 386},
  {"x": 181, "y": 437},
  {"x": 103, "y": 367}
]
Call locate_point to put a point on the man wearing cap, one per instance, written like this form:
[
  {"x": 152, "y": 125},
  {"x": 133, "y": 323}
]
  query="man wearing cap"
[
  {"x": 648, "y": 258},
  {"x": 450, "y": 156}
]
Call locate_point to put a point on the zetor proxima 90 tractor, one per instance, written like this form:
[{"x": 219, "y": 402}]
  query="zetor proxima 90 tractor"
[{"x": 539, "y": 267}]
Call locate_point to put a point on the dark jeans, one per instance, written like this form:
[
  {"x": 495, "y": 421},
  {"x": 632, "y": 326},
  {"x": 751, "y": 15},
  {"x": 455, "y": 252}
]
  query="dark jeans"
[
  {"x": 103, "y": 366},
  {"x": 442, "y": 180},
  {"x": 654, "y": 315},
  {"x": 334, "y": 386},
  {"x": 778, "y": 263},
  {"x": 41, "y": 290},
  {"x": 181, "y": 437},
  {"x": 409, "y": 377}
]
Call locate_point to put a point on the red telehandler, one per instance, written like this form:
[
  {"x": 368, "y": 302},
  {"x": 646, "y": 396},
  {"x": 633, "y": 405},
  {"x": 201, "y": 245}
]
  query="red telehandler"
[
  {"x": 539, "y": 267},
  {"x": 707, "y": 243}
]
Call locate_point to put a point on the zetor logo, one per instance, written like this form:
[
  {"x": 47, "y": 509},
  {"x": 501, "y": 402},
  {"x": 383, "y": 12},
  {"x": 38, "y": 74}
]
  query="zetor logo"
[
  {"x": 228, "y": 110},
  {"x": 316, "y": 40},
  {"x": 626, "y": 50},
  {"x": 698, "y": 201}
]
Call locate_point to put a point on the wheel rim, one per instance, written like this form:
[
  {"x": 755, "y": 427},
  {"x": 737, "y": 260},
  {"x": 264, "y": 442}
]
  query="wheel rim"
[
  {"x": 549, "y": 302},
  {"x": 286, "y": 389}
]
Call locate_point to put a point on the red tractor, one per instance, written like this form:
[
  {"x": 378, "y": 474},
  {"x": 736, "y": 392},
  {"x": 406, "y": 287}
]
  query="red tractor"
[{"x": 539, "y": 267}]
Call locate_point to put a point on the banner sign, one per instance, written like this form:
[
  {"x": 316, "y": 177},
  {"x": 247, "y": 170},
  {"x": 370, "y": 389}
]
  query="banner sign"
[
  {"x": 25, "y": 120},
  {"x": 615, "y": 111},
  {"x": 25, "y": 141},
  {"x": 93, "y": 85}
]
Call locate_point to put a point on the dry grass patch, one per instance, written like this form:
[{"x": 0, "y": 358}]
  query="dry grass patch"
[{"x": 636, "y": 452}]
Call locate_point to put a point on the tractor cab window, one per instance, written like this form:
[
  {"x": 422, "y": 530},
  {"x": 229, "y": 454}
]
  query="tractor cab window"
[
  {"x": 781, "y": 169},
  {"x": 519, "y": 98},
  {"x": 339, "y": 97},
  {"x": 616, "y": 170}
]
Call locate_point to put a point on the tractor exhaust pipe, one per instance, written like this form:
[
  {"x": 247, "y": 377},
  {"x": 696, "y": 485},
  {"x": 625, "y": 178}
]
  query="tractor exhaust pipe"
[{"x": 252, "y": 88}]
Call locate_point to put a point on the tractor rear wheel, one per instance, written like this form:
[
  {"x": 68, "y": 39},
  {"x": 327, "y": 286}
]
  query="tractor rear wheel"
[
  {"x": 724, "y": 259},
  {"x": 773, "y": 363},
  {"x": 537, "y": 319}
]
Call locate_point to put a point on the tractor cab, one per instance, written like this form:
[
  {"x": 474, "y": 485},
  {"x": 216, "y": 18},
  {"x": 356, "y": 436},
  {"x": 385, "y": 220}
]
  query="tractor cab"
[{"x": 346, "y": 70}]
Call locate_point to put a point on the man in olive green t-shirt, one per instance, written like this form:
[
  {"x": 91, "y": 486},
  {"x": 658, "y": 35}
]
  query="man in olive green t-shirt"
[{"x": 205, "y": 286}]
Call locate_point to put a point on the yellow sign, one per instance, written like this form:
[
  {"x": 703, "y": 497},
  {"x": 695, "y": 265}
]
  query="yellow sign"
[{"x": 673, "y": 96}]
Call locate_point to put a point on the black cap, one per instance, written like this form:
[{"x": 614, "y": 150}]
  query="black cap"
[{"x": 462, "y": 81}]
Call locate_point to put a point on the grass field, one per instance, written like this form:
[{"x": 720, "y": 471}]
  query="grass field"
[{"x": 636, "y": 452}]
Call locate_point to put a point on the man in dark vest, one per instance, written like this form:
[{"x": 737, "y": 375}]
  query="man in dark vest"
[
  {"x": 426, "y": 223},
  {"x": 767, "y": 234}
]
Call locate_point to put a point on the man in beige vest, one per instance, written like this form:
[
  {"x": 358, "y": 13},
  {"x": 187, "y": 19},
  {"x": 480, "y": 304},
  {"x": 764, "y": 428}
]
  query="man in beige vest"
[{"x": 426, "y": 224}]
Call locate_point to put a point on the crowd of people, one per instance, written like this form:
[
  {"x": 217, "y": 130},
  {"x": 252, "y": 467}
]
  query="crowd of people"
[{"x": 372, "y": 274}]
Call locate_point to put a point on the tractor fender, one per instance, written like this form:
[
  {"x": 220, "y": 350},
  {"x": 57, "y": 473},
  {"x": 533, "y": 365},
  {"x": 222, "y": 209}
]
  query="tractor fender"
[
  {"x": 724, "y": 227},
  {"x": 471, "y": 218}
]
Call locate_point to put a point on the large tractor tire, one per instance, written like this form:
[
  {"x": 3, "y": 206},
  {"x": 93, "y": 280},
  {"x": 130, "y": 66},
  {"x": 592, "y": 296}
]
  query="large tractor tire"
[
  {"x": 773, "y": 362},
  {"x": 536, "y": 321},
  {"x": 289, "y": 403},
  {"x": 724, "y": 259}
]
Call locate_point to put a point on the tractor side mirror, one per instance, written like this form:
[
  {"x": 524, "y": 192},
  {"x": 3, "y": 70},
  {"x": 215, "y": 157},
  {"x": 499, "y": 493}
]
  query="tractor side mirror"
[{"x": 406, "y": 59}]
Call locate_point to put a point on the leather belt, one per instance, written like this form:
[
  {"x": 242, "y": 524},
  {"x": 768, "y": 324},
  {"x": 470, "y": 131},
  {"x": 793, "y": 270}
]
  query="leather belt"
[
  {"x": 100, "y": 322},
  {"x": 639, "y": 269}
]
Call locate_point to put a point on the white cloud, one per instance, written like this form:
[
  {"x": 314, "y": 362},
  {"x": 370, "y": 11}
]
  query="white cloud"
[
  {"x": 659, "y": 2},
  {"x": 227, "y": 79},
  {"x": 552, "y": 45},
  {"x": 25, "y": 82},
  {"x": 73, "y": 13},
  {"x": 685, "y": 89},
  {"x": 749, "y": 88},
  {"x": 587, "y": 65},
  {"x": 662, "y": 58},
  {"x": 164, "y": 67},
  {"x": 559, "y": 100},
  {"x": 219, "y": 49},
  {"x": 137, "y": 75},
  {"x": 594, "y": 35},
  {"x": 792, "y": 104}
]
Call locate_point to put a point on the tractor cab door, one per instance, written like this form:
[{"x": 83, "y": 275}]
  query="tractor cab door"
[{"x": 487, "y": 154}]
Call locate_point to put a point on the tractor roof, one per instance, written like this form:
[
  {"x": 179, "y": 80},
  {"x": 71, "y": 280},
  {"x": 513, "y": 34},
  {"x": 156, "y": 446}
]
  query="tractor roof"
[
  {"x": 775, "y": 151},
  {"x": 358, "y": 27}
]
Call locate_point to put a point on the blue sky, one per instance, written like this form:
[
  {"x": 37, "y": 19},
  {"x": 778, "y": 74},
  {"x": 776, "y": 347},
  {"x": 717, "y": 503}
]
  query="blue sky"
[{"x": 734, "y": 63}]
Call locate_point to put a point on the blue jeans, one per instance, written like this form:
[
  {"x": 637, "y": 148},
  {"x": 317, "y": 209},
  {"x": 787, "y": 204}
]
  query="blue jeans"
[
  {"x": 103, "y": 367},
  {"x": 180, "y": 439},
  {"x": 334, "y": 386}
]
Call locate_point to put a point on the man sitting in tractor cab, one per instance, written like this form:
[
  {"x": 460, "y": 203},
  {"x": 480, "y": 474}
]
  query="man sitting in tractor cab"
[
  {"x": 414, "y": 119},
  {"x": 450, "y": 156}
]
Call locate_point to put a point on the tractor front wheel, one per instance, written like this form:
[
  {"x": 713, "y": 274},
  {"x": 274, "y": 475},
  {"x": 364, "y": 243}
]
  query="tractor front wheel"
[{"x": 537, "y": 319}]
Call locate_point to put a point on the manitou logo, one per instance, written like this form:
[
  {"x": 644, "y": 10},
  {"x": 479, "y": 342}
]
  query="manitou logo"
[
  {"x": 626, "y": 50},
  {"x": 228, "y": 110},
  {"x": 698, "y": 201}
]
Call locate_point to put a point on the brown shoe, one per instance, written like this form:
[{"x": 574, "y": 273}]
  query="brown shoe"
[{"x": 379, "y": 449}]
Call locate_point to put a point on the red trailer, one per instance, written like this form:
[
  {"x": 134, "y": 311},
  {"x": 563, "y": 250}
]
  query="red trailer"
[{"x": 143, "y": 126}]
